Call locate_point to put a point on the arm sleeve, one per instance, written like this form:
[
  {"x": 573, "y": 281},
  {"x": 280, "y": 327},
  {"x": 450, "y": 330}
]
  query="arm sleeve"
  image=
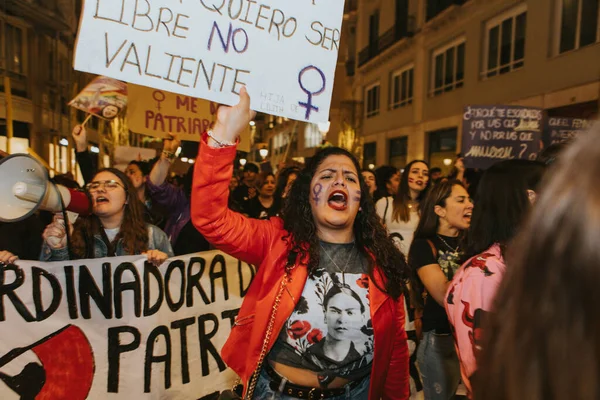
[
  {"x": 86, "y": 164},
  {"x": 168, "y": 196},
  {"x": 421, "y": 254},
  {"x": 243, "y": 238},
  {"x": 397, "y": 383},
  {"x": 380, "y": 208}
]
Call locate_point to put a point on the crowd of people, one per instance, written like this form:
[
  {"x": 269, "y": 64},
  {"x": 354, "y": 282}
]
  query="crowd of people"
[{"x": 371, "y": 284}]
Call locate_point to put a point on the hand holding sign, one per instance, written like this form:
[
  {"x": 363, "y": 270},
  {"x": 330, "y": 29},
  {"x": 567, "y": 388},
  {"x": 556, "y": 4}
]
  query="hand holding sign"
[
  {"x": 80, "y": 138},
  {"x": 231, "y": 121}
]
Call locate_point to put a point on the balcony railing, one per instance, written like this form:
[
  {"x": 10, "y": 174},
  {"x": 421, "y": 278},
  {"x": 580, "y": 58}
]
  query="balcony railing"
[{"x": 385, "y": 41}]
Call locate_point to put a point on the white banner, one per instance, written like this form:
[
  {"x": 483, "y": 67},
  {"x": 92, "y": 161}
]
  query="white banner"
[
  {"x": 118, "y": 328},
  {"x": 284, "y": 52}
]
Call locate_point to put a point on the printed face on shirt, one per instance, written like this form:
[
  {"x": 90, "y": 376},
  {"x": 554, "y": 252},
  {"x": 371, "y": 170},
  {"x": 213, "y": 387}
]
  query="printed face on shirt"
[
  {"x": 109, "y": 197},
  {"x": 418, "y": 176},
  {"x": 343, "y": 315},
  {"x": 458, "y": 209},
  {"x": 335, "y": 193},
  {"x": 369, "y": 178},
  {"x": 134, "y": 173}
]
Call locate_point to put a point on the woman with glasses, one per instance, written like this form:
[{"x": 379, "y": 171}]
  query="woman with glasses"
[{"x": 115, "y": 228}]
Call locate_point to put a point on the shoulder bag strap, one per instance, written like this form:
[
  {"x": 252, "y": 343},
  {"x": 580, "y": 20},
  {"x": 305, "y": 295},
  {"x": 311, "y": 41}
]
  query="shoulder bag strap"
[{"x": 433, "y": 249}]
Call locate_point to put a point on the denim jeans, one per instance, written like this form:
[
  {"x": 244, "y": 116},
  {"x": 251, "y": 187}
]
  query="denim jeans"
[
  {"x": 439, "y": 366},
  {"x": 264, "y": 392}
]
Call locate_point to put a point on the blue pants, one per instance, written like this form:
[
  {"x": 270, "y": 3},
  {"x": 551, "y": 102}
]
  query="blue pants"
[
  {"x": 439, "y": 366},
  {"x": 264, "y": 392}
]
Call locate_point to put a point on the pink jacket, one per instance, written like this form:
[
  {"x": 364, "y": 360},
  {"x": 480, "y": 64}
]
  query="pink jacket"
[{"x": 468, "y": 300}]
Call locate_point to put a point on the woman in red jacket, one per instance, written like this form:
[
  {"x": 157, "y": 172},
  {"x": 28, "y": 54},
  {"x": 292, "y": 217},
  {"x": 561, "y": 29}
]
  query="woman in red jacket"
[{"x": 323, "y": 318}]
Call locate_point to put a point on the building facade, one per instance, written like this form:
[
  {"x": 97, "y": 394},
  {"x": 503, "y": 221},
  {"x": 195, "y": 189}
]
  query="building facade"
[{"x": 419, "y": 62}]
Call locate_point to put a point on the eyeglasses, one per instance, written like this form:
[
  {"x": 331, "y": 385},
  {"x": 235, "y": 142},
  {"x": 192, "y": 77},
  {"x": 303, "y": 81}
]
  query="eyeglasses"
[{"x": 108, "y": 185}]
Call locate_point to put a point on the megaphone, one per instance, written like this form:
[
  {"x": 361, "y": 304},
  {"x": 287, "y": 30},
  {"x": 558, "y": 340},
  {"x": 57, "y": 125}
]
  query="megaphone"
[{"x": 25, "y": 187}]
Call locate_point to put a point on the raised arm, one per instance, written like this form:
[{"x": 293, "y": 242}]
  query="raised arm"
[
  {"x": 83, "y": 156},
  {"x": 160, "y": 170},
  {"x": 227, "y": 230}
]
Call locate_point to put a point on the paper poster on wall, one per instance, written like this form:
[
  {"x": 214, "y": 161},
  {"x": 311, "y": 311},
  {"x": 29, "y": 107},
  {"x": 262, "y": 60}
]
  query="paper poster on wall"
[
  {"x": 561, "y": 129},
  {"x": 119, "y": 328},
  {"x": 103, "y": 97},
  {"x": 284, "y": 52},
  {"x": 498, "y": 132}
]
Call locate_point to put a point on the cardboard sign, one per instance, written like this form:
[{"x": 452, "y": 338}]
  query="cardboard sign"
[
  {"x": 559, "y": 129},
  {"x": 495, "y": 133},
  {"x": 103, "y": 97},
  {"x": 284, "y": 52},
  {"x": 119, "y": 328},
  {"x": 155, "y": 112}
]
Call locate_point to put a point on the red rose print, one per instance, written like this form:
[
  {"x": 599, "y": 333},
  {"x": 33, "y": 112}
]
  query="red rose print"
[
  {"x": 314, "y": 336},
  {"x": 363, "y": 281},
  {"x": 298, "y": 329}
]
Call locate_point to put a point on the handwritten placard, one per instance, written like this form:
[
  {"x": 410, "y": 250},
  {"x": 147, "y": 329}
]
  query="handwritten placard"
[
  {"x": 560, "y": 129},
  {"x": 119, "y": 327},
  {"x": 495, "y": 133},
  {"x": 284, "y": 52},
  {"x": 154, "y": 112}
]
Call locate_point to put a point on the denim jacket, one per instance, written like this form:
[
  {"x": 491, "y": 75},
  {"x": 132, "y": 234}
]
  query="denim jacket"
[{"x": 157, "y": 240}]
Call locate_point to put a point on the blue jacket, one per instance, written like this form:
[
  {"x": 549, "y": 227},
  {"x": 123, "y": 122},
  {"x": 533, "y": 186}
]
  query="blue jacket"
[{"x": 157, "y": 240}]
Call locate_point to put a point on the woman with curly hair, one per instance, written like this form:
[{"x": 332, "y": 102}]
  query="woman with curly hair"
[
  {"x": 115, "y": 228},
  {"x": 328, "y": 235}
]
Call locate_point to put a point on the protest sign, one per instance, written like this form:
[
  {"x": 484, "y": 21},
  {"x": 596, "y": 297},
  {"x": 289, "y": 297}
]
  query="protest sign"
[
  {"x": 495, "y": 133},
  {"x": 154, "y": 112},
  {"x": 118, "y": 328},
  {"x": 284, "y": 52},
  {"x": 559, "y": 129},
  {"x": 103, "y": 97}
]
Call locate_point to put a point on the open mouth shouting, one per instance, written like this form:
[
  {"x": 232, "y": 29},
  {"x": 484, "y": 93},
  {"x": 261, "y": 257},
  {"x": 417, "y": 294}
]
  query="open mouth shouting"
[
  {"x": 468, "y": 215},
  {"x": 101, "y": 200},
  {"x": 338, "y": 200}
]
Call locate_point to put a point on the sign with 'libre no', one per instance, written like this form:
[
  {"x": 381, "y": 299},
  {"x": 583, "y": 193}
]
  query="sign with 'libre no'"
[{"x": 285, "y": 53}]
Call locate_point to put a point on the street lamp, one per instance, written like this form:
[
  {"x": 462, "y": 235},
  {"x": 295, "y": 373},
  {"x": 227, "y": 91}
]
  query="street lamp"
[
  {"x": 263, "y": 153},
  {"x": 447, "y": 161},
  {"x": 371, "y": 166},
  {"x": 242, "y": 161}
]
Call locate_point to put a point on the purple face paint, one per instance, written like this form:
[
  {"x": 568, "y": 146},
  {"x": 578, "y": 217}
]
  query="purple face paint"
[
  {"x": 357, "y": 196},
  {"x": 317, "y": 189}
]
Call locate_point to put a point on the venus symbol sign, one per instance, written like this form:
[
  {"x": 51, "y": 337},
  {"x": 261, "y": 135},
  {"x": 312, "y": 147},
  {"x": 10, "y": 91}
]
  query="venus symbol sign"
[{"x": 312, "y": 81}]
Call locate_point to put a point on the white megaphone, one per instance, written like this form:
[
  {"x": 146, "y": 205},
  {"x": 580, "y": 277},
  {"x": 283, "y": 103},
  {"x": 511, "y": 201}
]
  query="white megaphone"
[{"x": 25, "y": 188}]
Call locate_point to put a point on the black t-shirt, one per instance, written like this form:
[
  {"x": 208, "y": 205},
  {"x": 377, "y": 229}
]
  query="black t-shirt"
[
  {"x": 240, "y": 194},
  {"x": 448, "y": 257},
  {"x": 330, "y": 331},
  {"x": 255, "y": 209}
]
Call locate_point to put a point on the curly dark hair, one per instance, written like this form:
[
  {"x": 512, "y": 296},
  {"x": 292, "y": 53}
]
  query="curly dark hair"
[
  {"x": 370, "y": 236},
  {"x": 133, "y": 230},
  {"x": 282, "y": 179}
]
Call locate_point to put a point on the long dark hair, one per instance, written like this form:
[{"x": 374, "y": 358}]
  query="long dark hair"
[
  {"x": 133, "y": 230},
  {"x": 370, "y": 236},
  {"x": 383, "y": 175},
  {"x": 282, "y": 180},
  {"x": 502, "y": 203},
  {"x": 402, "y": 199},
  {"x": 429, "y": 220},
  {"x": 542, "y": 340}
]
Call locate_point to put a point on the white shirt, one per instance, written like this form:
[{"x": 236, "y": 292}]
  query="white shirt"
[
  {"x": 404, "y": 229},
  {"x": 112, "y": 233}
]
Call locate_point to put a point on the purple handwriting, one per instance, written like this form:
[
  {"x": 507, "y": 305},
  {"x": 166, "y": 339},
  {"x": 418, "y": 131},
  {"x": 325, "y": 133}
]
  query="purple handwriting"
[{"x": 309, "y": 104}]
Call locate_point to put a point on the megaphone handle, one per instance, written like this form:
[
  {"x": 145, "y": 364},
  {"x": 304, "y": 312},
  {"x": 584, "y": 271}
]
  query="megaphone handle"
[{"x": 86, "y": 120}]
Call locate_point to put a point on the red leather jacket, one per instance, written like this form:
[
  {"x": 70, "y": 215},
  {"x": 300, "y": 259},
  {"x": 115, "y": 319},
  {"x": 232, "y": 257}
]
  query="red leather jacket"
[{"x": 261, "y": 243}]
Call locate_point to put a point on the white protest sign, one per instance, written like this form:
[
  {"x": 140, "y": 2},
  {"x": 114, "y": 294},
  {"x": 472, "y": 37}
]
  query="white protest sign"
[
  {"x": 118, "y": 328},
  {"x": 284, "y": 52}
]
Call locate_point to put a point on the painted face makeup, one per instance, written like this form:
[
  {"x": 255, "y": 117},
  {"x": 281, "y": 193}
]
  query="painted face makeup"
[
  {"x": 418, "y": 177},
  {"x": 335, "y": 193}
]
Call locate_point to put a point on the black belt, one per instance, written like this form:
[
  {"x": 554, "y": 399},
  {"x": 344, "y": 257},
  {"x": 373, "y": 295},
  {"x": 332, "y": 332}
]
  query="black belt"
[{"x": 304, "y": 392}]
